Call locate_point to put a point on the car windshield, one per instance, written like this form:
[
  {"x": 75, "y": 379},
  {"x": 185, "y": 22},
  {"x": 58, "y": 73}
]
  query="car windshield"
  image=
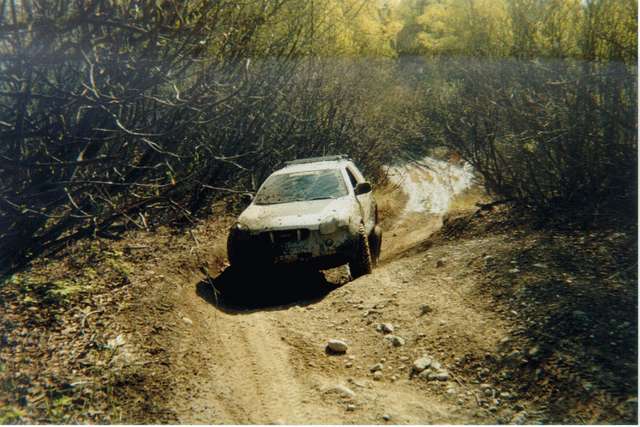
[{"x": 302, "y": 186}]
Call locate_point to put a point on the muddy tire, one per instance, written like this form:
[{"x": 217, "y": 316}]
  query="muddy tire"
[
  {"x": 375, "y": 242},
  {"x": 362, "y": 263},
  {"x": 234, "y": 254}
]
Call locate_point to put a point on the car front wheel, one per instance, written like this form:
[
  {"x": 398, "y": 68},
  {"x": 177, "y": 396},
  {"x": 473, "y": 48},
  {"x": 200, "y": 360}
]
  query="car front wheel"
[
  {"x": 375, "y": 244},
  {"x": 236, "y": 251},
  {"x": 362, "y": 262}
]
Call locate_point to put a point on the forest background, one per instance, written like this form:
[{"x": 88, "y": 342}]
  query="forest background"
[{"x": 133, "y": 113}]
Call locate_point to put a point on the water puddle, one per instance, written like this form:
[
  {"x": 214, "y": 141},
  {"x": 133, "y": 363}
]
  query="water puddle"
[{"x": 431, "y": 184}]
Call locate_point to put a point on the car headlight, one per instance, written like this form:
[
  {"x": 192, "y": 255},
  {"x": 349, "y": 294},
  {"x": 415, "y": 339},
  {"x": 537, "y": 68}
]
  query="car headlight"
[
  {"x": 328, "y": 227},
  {"x": 240, "y": 228},
  {"x": 333, "y": 225}
]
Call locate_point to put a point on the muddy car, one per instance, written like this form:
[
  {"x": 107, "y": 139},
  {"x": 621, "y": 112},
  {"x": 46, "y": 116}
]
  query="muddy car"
[{"x": 318, "y": 211}]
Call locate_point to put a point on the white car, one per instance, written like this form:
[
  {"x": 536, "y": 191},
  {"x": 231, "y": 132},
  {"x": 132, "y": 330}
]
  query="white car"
[{"x": 318, "y": 211}]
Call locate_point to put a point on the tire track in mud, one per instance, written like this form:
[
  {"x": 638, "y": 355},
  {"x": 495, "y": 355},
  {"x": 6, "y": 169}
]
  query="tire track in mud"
[{"x": 235, "y": 385}]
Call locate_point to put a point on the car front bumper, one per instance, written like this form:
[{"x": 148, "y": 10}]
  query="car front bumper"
[{"x": 298, "y": 246}]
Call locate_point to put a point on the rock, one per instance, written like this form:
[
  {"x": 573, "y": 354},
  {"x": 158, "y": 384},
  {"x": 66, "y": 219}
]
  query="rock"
[
  {"x": 377, "y": 375},
  {"x": 394, "y": 378},
  {"x": 348, "y": 364},
  {"x": 386, "y": 417},
  {"x": 439, "y": 376},
  {"x": 514, "y": 271},
  {"x": 425, "y": 374},
  {"x": 425, "y": 309},
  {"x": 441, "y": 262},
  {"x": 540, "y": 265},
  {"x": 403, "y": 358},
  {"x": 376, "y": 367},
  {"x": 485, "y": 386},
  {"x": 435, "y": 365},
  {"x": 422, "y": 363},
  {"x": 342, "y": 391},
  {"x": 187, "y": 321},
  {"x": 337, "y": 346},
  {"x": 451, "y": 391},
  {"x": 493, "y": 409},
  {"x": 386, "y": 328},
  {"x": 351, "y": 407},
  {"x": 505, "y": 395},
  {"x": 395, "y": 340}
]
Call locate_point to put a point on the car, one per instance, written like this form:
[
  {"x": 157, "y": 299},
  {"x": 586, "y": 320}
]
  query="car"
[{"x": 318, "y": 212}]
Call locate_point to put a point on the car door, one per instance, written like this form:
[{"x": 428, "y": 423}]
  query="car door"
[{"x": 365, "y": 200}]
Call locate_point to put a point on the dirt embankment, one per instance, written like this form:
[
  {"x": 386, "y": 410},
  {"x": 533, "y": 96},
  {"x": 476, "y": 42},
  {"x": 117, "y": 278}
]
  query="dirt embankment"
[{"x": 527, "y": 326}]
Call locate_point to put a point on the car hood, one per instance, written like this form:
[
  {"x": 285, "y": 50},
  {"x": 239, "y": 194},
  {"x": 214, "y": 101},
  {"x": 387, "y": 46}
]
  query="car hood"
[{"x": 307, "y": 214}]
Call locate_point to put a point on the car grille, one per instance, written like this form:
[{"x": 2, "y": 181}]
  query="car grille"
[{"x": 283, "y": 236}]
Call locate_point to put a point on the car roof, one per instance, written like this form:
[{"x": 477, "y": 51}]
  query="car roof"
[{"x": 312, "y": 166}]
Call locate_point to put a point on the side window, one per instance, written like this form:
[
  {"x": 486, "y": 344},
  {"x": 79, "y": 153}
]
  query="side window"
[{"x": 352, "y": 178}]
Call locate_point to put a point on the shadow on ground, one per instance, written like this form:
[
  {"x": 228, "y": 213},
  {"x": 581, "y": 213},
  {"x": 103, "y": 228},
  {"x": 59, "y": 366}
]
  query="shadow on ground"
[{"x": 241, "y": 292}]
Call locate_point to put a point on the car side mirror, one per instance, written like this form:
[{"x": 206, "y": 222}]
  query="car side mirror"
[
  {"x": 362, "y": 188},
  {"x": 246, "y": 198}
]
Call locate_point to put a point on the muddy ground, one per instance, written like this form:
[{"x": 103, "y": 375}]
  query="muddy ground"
[{"x": 529, "y": 326}]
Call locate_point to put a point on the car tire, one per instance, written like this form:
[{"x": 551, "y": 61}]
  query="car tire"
[
  {"x": 375, "y": 241},
  {"x": 234, "y": 255},
  {"x": 362, "y": 263}
]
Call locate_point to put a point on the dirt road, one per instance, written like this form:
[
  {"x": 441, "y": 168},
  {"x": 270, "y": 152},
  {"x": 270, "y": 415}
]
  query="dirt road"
[
  {"x": 520, "y": 325},
  {"x": 256, "y": 353}
]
